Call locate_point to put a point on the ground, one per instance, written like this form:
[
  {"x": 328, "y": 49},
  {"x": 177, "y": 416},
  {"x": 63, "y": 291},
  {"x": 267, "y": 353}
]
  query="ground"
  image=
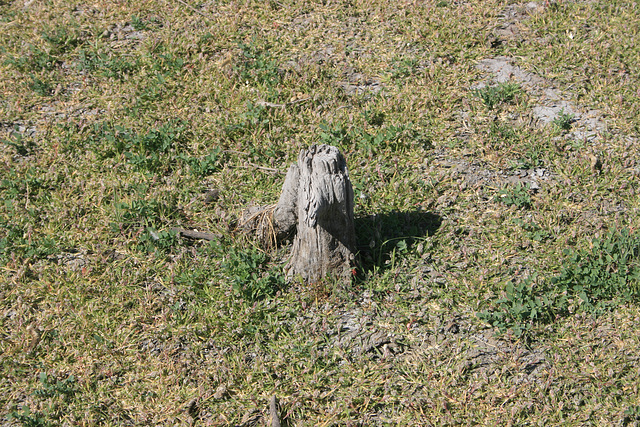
[{"x": 493, "y": 150}]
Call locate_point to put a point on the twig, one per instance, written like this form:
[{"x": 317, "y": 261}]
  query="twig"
[
  {"x": 36, "y": 335},
  {"x": 273, "y": 408},
  {"x": 264, "y": 168},
  {"x": 299, "y": 101},
  {"x": 270, "y": 104},
  {"x": 237, "y": 152},
  {"x": 194, "y": 234},
  {"x": 253, "y": 165},
  {"x": 273, "y": 105}
]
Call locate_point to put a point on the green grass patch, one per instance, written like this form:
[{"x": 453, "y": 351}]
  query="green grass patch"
[
  {"x": 155, "y": 151},
  {"x": 492, "y": 96},
  {"x": 106, "y": 64},
  {"x": 516, "y": 195},
  {"x": 605, "y": 275},
  {"x": 591, "y": 281},
  {"x": 250, "y": 276}
]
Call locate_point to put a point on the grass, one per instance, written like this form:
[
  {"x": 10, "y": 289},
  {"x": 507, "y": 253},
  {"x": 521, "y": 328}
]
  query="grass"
[
  {"x": 477, "y": 300},
  {"x": 492, "y": 96}
]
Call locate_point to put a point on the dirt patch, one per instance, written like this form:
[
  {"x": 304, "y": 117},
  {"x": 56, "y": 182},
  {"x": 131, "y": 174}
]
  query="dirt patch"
[
  {"x": 586, "y": 124},
  {"x": 8, "y": 128},
  {"x": 487, "y": 354},
  {"x": 120, "y": 32},
  {"x": 503, "y": 70},
  {"x": 471, "y": 173},
  {"x": 481, "y": 354},
  {"x": 72, "y": 260},
  {"x": 356, "y": 83}
]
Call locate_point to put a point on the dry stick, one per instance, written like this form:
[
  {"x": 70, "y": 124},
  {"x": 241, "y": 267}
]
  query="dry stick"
[
  {"x": 237, "y": 152},
  {"x": 193, "y": 234},
  {"x": 272, "y": 105},
  {"x": 273, "y": 408},
  {"x": 264, "y": 168},
  {"x": 35, "y": 338}
]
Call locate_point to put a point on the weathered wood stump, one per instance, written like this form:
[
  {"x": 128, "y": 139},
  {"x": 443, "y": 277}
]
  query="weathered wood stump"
[
  {"x": 322, "y": 196},
  {"x": 316, "y": 207}
]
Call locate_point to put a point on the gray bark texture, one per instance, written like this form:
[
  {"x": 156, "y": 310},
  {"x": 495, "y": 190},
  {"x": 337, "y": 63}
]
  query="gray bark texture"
[
  {"x": 285, "y": 214},
  {"x": 320, "y": 194},
  {"x": 316, "y": 208}
]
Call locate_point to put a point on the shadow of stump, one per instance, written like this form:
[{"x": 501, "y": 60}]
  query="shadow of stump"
[{"x": 379, "y": 234}]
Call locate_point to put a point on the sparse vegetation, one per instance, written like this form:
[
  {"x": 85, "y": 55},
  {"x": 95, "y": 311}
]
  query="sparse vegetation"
[
  {"x": 564, "y": 120},
  {"x": 593, "y": 281},
  {"x": 604, "y": 276},
  {"x": 517, "y": 195},
  {"x": 501, "y": 93},
  {"x": 498, "y": 277}
]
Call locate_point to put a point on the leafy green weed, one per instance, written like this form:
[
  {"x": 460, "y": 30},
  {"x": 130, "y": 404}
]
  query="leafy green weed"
[{"x": 492, "y": 96}]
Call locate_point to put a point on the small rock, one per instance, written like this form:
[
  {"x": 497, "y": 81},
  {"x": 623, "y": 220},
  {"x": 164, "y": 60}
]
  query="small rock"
[
  {"x": 211, "y": 196},
  {"x": 135, "y": 35},
  {"x": 596, "y": 163},
  {"x": 221, "y": 391},
  {"x": 452, "y": 327}
]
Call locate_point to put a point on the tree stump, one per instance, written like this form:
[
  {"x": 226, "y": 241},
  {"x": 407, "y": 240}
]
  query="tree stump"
[
  {"x": 316, "y": 207},
  {"x": 325, "y": 237}
]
